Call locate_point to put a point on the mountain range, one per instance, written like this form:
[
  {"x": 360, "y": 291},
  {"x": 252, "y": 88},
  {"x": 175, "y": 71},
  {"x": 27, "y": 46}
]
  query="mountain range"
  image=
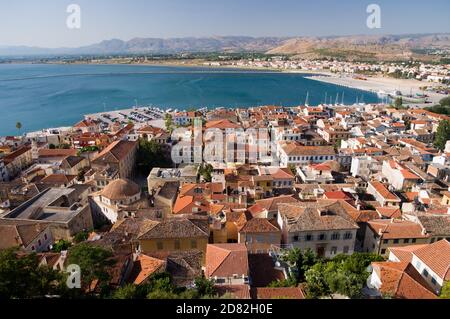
[{"x": 359, "y": 46}]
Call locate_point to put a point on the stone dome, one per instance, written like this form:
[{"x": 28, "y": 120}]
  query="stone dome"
[{"x": 120, "y": 189}]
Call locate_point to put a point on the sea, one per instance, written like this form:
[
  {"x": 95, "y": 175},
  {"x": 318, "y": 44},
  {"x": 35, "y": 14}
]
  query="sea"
[{"x": 53, "y": 95}]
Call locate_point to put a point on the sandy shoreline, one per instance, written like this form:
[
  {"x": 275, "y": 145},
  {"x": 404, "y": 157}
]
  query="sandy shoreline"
[{"x": 382, "y": 84}]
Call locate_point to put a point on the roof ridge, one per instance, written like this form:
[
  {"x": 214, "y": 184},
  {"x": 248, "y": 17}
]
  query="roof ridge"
[{"x": 223, "y": 260}]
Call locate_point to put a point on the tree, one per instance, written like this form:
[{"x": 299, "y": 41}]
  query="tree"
[
  {"x": 293, "y": 169},
  {"x": 439, "y": 109},
  {"x": 81, "y": 236},
  {"x": 445, "y": 101},
  {"x": 337, "y": 145},
  {"x": 21, "y": 276},
  {"x": 150, "y": 155},
  {"x": 289, "y": 282},
  {"x": 205, "y": 171},
  {"x": 81, "y": 173},
  {"x": 445, "y": 291},
  {"x": 442, "y": 135},
  {"x": 18, "y": 126},
  {"x": 61, "y": 245},
  {"x": 169, "y": 122},
  {"x": 398, "y": 103},
  {"x": 126, "y": 292},
  {"x": 316, "y": 284},
  {"x": 93, "y": 262},
  {"x": 344, "y": 274},
  {"x": 299, "y": 262},
  {"x": 204, "y": 287}
]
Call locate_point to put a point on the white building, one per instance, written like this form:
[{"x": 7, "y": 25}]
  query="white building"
[
  {"x": 364, "y": 166},
  {"x": 296, "y": 154},
  {"x": 115, "y": 197}
]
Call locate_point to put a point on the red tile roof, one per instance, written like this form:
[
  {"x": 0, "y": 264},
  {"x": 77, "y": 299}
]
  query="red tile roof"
[
  {"x": 226, "y": 260},
  {"x": 437, "y": 257},
  {"x": 402, "y": 281},
  {"x": 144, "y": 267},
  {"x": 259, "y": 225},
  {"x": 384, "y": 192},
  {"x": 396, "y": 229}
]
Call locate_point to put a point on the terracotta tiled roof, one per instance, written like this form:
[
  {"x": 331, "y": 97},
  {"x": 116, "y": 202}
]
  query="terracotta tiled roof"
[
  {"x": 221, "y": 124},
  {"x": 226, "y": 260},
  {"x": 397, "y": 229},
  {"x": 117, "y": 150},
  {"x": 320, "y": 217},
  {"x": 384, "y": 192},
  {"x": 389, "y": 212},
  {"x": 436, "y": 225},
  {"x": 57, "y": 152},
  {"x": 11, "y": 157},
  {"x": 404, "y": 254},
  {"x": 84, "y": 123},
  {"x": 363, "y": 216},
  {"x": 120, "y": 189},
  {"x": 271, "y": 204},
  {"x": 175, "y": 228},
  {"x": 259, "y": 225},
  {"x": 437, "y": 257},
  {"x": 321, "y": 167},
  {"x": 18, "y": 233},
  {"x": 293, "y": 149},
  {"x": 184, "y": 203},
  {"x": 58, "y": 179},
  {"x": 337, "y": 195},
  {"x": 145, "y": 266},
  {"x": 401, "y": 280},
  {"x": 277, "y": 173}
]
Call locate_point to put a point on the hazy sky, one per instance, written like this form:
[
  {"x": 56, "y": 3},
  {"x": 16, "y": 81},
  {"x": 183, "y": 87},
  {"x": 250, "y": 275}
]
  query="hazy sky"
[{"x": 43, "y": 22}]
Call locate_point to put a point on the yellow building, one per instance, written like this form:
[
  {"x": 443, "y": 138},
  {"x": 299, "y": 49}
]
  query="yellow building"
[
  {"x": 263, "y": 186},
  {"x": 445, "y": 198},
  {"x": 259, "y": 235},
  {"x": 383, "y": 234},
  {"x": 176, "y": 234}
]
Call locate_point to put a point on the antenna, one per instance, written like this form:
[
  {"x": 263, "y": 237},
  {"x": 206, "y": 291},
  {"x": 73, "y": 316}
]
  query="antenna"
[
  {"x": 343, "y": 94},
  {"x": 337, "y": 99},
  {"x": 326, "y": 96}
]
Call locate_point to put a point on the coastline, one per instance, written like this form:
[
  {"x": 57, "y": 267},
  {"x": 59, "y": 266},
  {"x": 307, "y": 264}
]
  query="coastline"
[
  {"x": 382, "y": 84},
  {"x": 200, "y": 64}
]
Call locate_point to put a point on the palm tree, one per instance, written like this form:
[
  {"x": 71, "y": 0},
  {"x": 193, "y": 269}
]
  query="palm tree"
[{"x": 18, "y": 126}]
